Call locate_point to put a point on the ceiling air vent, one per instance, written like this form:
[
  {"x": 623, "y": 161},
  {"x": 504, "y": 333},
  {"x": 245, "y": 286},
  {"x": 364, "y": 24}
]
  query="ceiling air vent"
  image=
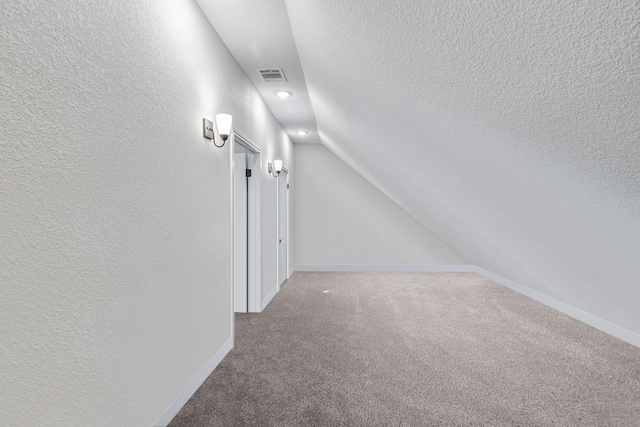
[{"x": 272, "y": 74}]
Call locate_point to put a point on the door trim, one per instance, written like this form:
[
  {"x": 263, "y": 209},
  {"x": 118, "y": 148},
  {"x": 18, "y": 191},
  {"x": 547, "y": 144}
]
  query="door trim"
[
  {"x": 254, "y": 235},
  {"x": 286, "y": 273}
]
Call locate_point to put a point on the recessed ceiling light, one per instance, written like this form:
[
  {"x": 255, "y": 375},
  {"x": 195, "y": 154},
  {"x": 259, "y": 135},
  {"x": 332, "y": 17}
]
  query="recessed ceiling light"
[
  {"x": 282, "y": 94},
  {"x": 302, "y": 132}
]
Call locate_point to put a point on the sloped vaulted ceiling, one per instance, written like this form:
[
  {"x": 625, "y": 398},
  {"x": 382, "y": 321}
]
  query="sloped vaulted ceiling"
[{"x": 509, "y": 128}]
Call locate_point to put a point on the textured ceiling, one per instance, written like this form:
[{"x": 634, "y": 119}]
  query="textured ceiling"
[{"x": 509, "y": 128}]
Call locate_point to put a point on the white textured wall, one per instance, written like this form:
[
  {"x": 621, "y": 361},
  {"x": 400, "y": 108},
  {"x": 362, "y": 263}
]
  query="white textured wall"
[
  {"x": 115, "y": 213},
  {"x": 341, "y": 219},
  {"x": 509, "y": 128}
]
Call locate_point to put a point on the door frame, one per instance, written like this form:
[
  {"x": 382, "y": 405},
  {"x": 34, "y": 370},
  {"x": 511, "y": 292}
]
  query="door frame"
[
  {"x": 254, "y": 232},
  {"x": 286, "y": 273}
]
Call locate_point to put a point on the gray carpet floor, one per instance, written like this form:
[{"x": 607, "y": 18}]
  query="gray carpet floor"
[{"x": 416, "y": 349}]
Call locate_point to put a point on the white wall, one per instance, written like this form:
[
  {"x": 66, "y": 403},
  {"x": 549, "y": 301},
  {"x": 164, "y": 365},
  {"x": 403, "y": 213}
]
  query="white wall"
[
  {"x": 341, "y": 219},
  {"x": 115, "y": 254}
]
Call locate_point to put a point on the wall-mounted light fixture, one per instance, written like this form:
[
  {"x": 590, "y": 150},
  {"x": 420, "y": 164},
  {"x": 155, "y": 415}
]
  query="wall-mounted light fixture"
[
  {"x": 223, "y": 122},
  {"x": 275, "y": 168}
]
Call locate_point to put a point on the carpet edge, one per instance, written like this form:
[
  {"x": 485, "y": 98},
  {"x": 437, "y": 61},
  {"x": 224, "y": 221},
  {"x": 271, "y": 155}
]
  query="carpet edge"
[
  {"x": 184, "y": 396},
  {"x": 605, "y": 326}
]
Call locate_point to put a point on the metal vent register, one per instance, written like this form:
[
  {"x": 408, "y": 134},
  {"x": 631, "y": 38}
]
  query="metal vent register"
[{"x": 272, "y": 74}]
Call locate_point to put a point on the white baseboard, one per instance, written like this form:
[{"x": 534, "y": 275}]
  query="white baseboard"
[
  {"x": 291, "y": 271},
  {"x": 191, "y": 388},
  {"x": 269, "y": 297},
  {"x": 389, "y": 268},
  {"x": 591, "y": 320}
]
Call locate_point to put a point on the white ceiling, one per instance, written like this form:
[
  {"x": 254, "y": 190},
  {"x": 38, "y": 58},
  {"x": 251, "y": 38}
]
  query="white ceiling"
[
  {"x": 258, "y": 35},
  {"x": 511, "y": 129}
]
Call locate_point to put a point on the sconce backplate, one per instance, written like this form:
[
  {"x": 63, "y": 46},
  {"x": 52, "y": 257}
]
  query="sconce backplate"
[{"x": 207, "y": 128}]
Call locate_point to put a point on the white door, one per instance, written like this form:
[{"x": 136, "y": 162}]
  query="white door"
[
  {"x": 240, "y": 233},
  {"x": 283, "y": 219},
  {"x": 247, "y": 243}
]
